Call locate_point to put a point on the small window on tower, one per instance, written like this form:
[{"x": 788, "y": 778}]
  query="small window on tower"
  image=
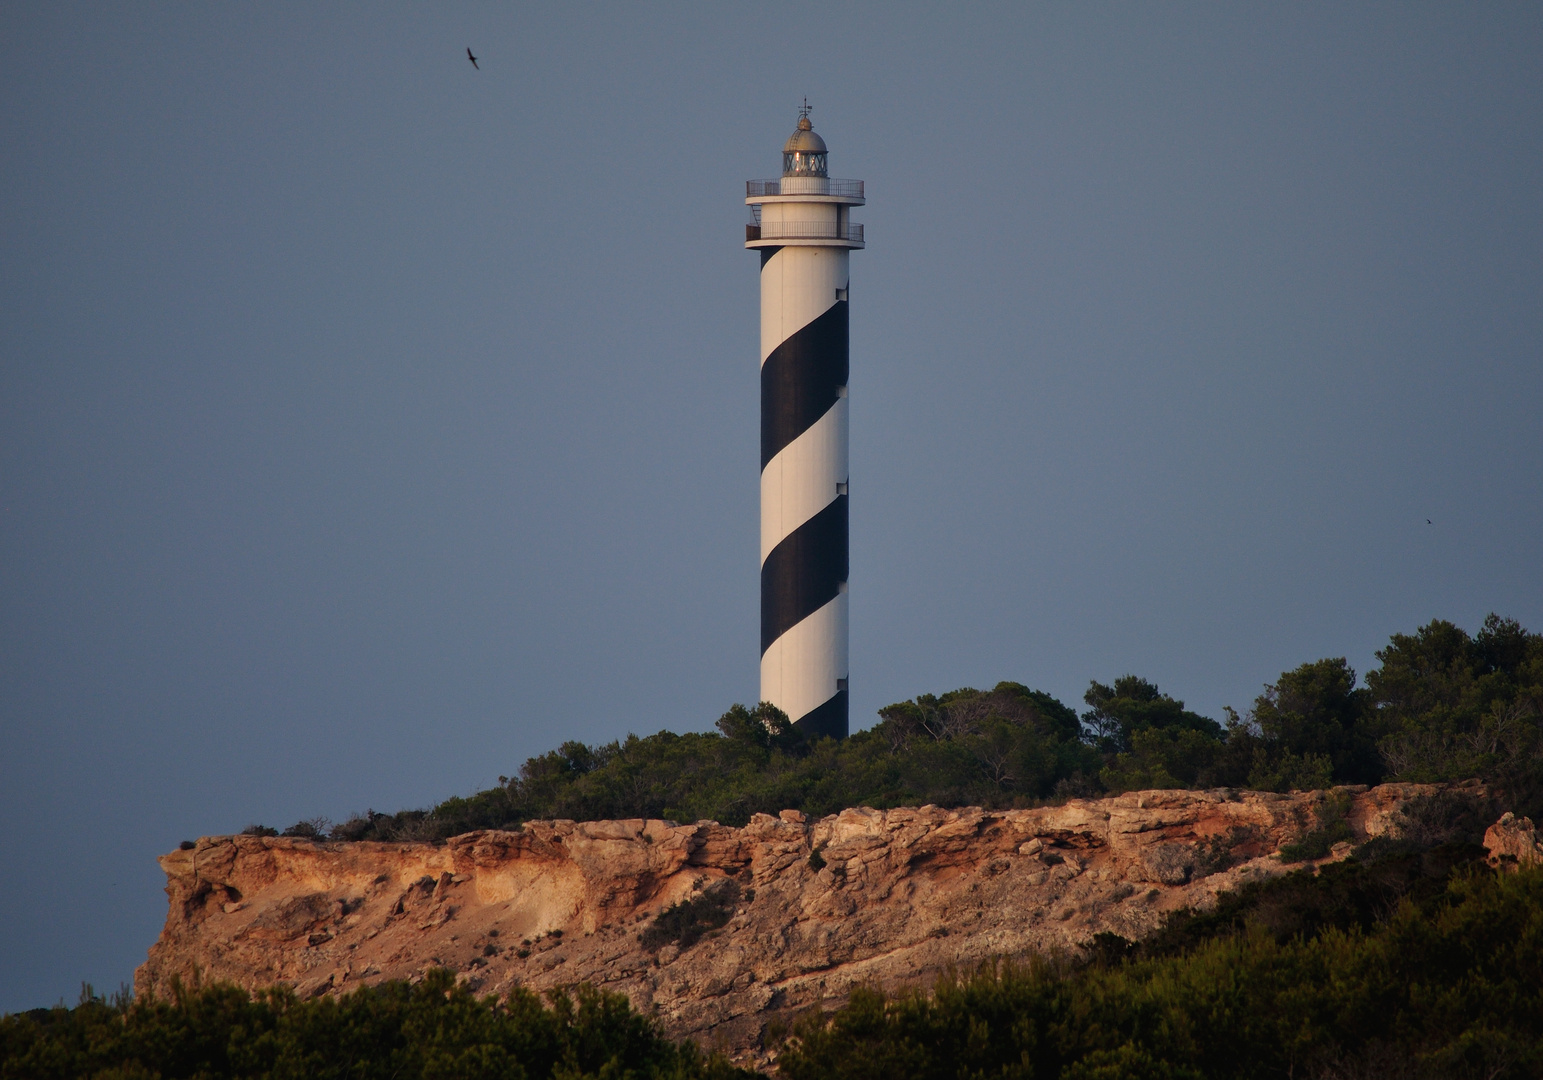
[
  {"x": 841, "y": 391},
  {"x": 841, "y": 294},
  {"x": 841, "y": 684},
  {"x": 841, "y": 488}
]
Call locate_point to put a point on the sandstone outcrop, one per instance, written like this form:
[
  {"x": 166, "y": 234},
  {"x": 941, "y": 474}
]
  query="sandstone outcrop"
[
  {"x": 1513, "y": 842},
  {"x": 809, "y": 908}
]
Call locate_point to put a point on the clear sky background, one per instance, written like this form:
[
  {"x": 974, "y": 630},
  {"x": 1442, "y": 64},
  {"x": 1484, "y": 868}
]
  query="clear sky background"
[{"x": 369, "y": 423}]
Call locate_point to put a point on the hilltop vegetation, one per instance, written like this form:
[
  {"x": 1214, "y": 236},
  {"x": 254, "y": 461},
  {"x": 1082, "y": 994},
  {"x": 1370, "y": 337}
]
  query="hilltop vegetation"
[{"x": 1441, "y": 705}]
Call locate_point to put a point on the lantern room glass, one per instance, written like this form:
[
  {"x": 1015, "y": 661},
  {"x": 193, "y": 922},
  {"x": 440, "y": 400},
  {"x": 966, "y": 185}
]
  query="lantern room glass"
[{"x": 803, "y": 163}]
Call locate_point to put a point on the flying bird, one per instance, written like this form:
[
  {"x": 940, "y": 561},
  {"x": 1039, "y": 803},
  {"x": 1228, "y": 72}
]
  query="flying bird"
[
  {"x": 472, "y": 58},
  {"x": 1427, "y": 521}
]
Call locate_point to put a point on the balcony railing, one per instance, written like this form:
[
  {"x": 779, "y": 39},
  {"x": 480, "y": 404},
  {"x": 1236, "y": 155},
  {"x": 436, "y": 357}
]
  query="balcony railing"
[
  {"x": 844, "y": 189},
  {"x": 804, "y": 230}
]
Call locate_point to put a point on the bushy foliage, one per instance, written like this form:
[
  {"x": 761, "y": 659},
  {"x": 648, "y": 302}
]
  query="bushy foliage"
[
  {"x": 1356, "y": 894},
  {"x": 685, "y": 922},
  {"x": 1442, "y": 706},
  {"x": 1455, "y": 706},
  {"x": 424, "y": 1032},
  {"x": 1006, "y": 746},
  {"x": 1449, "y": 985},
  {"x": 1118, "y": 713},
  {"x": 1331, "y": 827}
]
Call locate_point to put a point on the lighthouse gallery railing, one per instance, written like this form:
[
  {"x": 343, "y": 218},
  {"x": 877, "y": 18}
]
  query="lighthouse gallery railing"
[
  {"x": 842, "y": 189},
  {"x": 804, "y": 230}
]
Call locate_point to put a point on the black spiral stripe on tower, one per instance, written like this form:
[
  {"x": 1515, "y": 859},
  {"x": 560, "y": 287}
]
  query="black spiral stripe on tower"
[
  {"x": 804, "y": 571},
  {"x": 802, "y": 379}
]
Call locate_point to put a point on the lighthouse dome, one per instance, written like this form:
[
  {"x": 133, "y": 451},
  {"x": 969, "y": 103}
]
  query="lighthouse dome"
[
  {"x": 804, "y": 139},
  {"x": 804, "y": 153}
]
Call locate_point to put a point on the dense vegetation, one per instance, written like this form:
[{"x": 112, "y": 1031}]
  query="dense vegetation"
[
  {"x": 1307, "y": 977},
  {"x": 425, "y": 1032},
  {"x": 1442, "y": 705}
]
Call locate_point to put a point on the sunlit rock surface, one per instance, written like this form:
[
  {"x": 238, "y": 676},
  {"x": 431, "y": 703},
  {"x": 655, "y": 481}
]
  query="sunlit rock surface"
[{"x": 901, "y": 896}]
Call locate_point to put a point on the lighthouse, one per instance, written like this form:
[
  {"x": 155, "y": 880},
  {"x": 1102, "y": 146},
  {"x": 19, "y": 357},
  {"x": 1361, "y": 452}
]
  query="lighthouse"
[{"x": 803, "y": 231}]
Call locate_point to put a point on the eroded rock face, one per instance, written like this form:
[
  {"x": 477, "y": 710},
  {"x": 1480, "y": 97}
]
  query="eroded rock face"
[
  {"x": 1512, "y": 842},
  {"x": 901, "y": 895}
]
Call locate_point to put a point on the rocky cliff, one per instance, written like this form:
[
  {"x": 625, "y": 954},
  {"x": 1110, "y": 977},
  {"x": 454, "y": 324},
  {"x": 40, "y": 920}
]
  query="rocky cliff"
[
  {"x": 1512, "y": 842},
  {"x": 788, "y": 912}
]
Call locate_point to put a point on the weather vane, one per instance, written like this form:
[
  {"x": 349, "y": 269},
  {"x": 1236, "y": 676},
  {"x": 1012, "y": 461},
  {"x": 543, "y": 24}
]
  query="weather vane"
[{"x": 805, "y": 109}]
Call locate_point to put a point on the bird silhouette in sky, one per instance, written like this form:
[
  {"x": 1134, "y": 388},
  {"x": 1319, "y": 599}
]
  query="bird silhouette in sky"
[
  {"x": 472, "y": 58},
  {"x": 1427, "y": 521}
]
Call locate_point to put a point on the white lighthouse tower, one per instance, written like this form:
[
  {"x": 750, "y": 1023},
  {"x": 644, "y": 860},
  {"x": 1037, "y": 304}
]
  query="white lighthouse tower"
[{"x": 805, "y": 236}]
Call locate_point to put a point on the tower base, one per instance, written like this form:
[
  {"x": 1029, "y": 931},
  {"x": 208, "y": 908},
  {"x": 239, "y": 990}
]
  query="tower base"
[{"x": 826, "y": 721}]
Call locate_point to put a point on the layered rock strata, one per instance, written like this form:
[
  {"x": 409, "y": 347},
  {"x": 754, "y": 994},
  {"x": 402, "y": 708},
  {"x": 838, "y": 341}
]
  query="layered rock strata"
[{"x": 888, "y": 898}]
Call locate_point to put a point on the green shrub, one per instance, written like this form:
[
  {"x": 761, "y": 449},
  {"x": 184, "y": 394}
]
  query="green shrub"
[
  {"x": 1446, "y": 986},
  {"x": 312, "y": 829},
  {"x": 432, "y": 1030},
  {"x": 1352, "y": 896},
  {"x": 1442, "y": 706},
  {"x": 1001, "y": 747},
  {"x": 1332, "y": 829},
  {"x": 685, "y": 922}
]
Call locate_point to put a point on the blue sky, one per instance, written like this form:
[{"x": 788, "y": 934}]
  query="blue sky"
[{"x": 369, "y": 423}]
